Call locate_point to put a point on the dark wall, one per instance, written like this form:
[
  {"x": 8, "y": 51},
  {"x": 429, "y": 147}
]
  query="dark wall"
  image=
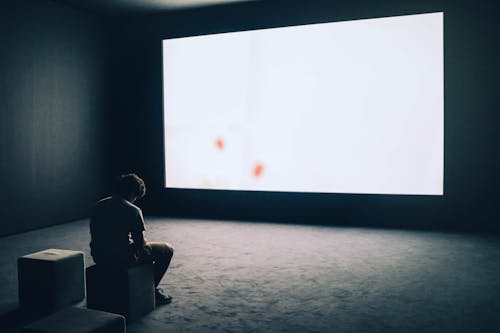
[
  {"x": 471, "y": 117},
  {"x": 53, "y": 113}
]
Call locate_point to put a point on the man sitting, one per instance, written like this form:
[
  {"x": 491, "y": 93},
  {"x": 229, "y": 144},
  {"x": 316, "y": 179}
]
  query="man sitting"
[{"x": 117, "y": 233}]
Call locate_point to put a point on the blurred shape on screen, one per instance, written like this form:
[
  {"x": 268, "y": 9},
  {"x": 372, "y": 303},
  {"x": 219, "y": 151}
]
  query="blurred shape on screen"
[
  {"x": 220, "y": 143},
  {"x": 258, "y": 169},
  {"x": 345, "y": 107}
]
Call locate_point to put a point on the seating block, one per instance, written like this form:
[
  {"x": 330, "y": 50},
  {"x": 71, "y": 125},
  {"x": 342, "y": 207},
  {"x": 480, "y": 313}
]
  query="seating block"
[
  {"x": 50, "y": 280},
  {"x": 78, "y": 320},
  {"x": 128, "y": 291}
]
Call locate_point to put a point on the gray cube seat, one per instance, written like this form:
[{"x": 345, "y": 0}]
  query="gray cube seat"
[
  {"x": 50, "y": 280},
  {"x": 78, "y": 320},
  {"x": 128, "y": 291}
]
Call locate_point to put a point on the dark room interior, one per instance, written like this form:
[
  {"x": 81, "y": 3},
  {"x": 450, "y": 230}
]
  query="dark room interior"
[{"x": 81, "y": 101}]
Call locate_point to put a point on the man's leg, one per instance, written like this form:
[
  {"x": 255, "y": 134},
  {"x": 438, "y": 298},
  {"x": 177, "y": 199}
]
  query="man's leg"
[{"x": 161, "y": 253}]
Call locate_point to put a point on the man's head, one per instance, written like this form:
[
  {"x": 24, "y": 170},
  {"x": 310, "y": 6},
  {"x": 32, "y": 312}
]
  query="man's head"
[{"x": 130, "y": 187}]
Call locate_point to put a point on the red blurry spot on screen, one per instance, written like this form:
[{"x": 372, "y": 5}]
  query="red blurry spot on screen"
[
  {"x": 258, "y": 169},
  {"x": 219, "y": 143}
]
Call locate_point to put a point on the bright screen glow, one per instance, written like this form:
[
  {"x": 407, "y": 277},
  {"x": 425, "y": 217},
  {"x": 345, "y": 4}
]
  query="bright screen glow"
[{"x": 345, "y": 107}]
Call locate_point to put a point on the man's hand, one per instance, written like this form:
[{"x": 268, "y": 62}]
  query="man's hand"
[{"x": 142, "y": 254}]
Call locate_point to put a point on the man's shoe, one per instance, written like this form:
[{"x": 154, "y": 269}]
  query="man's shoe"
[{"x": 161, "y": 297}]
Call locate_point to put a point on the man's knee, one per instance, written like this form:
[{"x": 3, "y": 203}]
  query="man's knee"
[
  {"x": 170, "y": 249},
  {"x": 161, "y": 249}
]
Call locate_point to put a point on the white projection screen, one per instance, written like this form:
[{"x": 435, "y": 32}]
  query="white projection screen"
[{"x": 344, "y": 107}]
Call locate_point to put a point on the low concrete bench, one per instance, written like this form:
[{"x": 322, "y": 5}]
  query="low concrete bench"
[
  {"x": 50, "y": 280},
  {"x": 126, "y": 291},
  {"x": 77, "y": 320}
]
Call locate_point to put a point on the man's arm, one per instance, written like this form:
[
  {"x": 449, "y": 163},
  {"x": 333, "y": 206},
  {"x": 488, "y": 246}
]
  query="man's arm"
[
  {"x": 138, "y": 238},
  {"x": 137, "y": 234}
]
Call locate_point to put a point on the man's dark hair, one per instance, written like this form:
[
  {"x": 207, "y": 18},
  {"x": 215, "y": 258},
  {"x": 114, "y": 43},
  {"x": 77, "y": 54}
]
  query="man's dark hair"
[{"x": 130, "y": 185}]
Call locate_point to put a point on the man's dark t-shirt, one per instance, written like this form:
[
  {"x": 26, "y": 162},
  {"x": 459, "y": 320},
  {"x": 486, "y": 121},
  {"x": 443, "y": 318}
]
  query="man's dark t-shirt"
[{"x": 116, "y": 227}]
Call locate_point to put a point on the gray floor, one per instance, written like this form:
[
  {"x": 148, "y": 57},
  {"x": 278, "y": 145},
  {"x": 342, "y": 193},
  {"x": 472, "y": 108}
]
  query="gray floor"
[{"x": 257, "y": 277}]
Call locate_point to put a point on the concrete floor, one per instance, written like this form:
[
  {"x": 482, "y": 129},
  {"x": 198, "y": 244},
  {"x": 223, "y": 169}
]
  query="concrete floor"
[{"x": 259, "y": 277}]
